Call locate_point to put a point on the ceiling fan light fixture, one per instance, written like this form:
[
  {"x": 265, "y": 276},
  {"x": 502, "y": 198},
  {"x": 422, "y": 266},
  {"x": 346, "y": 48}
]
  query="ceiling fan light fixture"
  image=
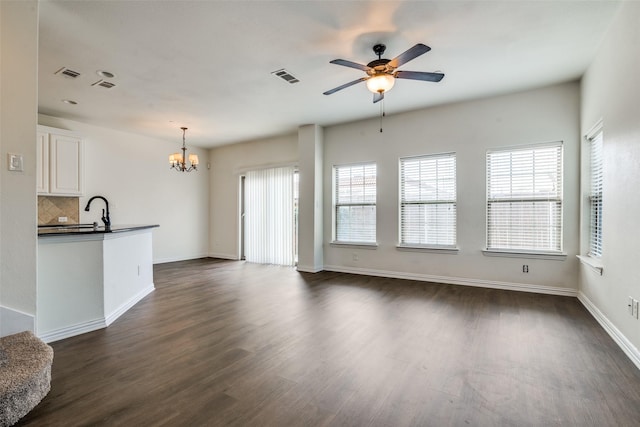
[{"x": 380, "y": 83}]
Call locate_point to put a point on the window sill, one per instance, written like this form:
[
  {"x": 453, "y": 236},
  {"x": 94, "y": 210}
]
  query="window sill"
[
  {"x": 362, "y": 245},
  {"x": 593, "y": 263},
  {"x": 432, "y": 249},
  {"x": 556, "y": 256}
]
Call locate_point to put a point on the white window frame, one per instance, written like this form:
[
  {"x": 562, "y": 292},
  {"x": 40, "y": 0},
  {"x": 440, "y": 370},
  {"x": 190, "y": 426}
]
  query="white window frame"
[
  {"x": 512, "y": 197},
  {"x": 430, "y": 198},
  {"x": 595, "y": 139},
  {"x": 594, "y": 199},
  {"x": 337, "y": 204}
]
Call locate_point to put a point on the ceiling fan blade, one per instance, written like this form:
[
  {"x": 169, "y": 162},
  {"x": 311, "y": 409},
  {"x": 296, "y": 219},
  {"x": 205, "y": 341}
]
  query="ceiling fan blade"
[
  {"x": 344, "y": 86},
  {"x": 378, "y": 97},
  {"x": 350, "y": 64},
  {"x": 419, "y": 75},
  {"x": 409, "y": 54}
]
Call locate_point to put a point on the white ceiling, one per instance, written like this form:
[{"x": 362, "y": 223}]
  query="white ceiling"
[{"x": 207, "y": 65}]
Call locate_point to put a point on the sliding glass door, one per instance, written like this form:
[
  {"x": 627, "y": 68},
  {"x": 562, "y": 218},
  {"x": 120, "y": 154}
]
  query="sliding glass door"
[{"x": 269, "y": 220}]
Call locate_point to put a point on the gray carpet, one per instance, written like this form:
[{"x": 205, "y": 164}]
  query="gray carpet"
[{"x": 25, "y": 375}]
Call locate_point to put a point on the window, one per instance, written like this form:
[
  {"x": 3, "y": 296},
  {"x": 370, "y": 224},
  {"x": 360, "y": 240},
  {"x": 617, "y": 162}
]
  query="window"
[
  {"x": 524, "y": 199},
  {"x": 595, "y": 196},
  {"x": 355, "y": 203},
  {"x": 428, "y": 201}
]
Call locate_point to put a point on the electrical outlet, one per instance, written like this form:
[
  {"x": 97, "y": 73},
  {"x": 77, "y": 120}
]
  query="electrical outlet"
[
  {"x": 15, "y": 162},
  {"x": 355, "y": 257},
  {"x": 62, "y": 219},
  {"x": 525, "y": 268}
]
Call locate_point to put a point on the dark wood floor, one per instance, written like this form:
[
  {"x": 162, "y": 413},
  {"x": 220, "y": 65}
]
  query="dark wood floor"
[{"x": 232, "y": 343}]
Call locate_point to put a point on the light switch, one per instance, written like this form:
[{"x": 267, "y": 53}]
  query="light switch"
[{"x": 15, "y": 162}]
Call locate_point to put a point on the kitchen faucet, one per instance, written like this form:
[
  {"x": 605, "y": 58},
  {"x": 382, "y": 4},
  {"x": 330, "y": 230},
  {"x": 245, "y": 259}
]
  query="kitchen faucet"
[{"x": 105, "y": 216}]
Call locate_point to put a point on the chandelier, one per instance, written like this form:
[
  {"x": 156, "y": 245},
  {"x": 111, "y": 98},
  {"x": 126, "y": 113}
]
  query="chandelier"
[{"x": 179, "y": 161}]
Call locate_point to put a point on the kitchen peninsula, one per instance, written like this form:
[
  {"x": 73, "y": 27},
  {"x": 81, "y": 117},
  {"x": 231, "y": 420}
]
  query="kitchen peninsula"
[{"x": 88, "y": 276}]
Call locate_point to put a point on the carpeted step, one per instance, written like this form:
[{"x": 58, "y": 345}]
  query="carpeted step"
[{"x": 25, "y": 375}]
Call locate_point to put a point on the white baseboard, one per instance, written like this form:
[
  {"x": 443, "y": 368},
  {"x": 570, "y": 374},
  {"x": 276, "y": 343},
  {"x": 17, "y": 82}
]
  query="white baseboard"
[
  {"x": 92, "y": 325},
  {"x": 172, "y": 259},
  {"x": 14, "y": 321},
  {"x": 522, "y": 287},
  {"x": 111, "y": 317},
  {"x": 224, "y": 256},
  {"x": 72, "y": 331},
  {"x": 629, "y": 349},
  {"x": 309, "y": 268}
]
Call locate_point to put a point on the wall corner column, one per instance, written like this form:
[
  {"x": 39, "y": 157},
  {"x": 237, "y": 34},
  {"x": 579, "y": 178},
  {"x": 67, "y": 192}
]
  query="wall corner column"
[{"x": 310, "y": 208}]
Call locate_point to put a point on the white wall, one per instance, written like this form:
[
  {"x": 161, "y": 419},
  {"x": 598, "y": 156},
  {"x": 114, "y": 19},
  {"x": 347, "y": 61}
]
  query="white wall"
[
  {"x": 611, "y": 91},
  {"x": 132, "y": 172},
  {"x": 469, "y": 129},
  {"x": 18, "y": 106},
  {"x": 228, "y": 163}
]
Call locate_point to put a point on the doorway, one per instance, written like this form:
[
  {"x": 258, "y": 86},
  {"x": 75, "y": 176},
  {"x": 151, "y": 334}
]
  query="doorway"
[{"x": 269, "y": 216}]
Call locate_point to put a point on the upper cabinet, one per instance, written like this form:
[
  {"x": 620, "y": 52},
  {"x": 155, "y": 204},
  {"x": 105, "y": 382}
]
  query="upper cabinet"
[{"x": 60, "y": 168}]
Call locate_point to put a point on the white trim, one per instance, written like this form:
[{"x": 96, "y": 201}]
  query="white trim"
[
  {"x": 111, "y": 317},
  {"x": 593, "y": 263},
  {"x": 594, "y": 130},
  {"x": 362, "y": 245},
  {"x": 528, "y": 146},
  {"x": 433, "y": 249},
  {"x": 629, "y": 349},
  {"x": 309, "y": 269},
  {"x": 522, "y": 287},
  {"x": 93, "y": 325},
  {"x": 58, "y": 131},
  {"x": 233, "y": 257},
  {"x": 560, "y": 256},
  {"x": 243, "y": 170},
  {"x": 13, "y": 321},
  {"x": 174, "y": 259},
  {"x": 72, "y": 331}
]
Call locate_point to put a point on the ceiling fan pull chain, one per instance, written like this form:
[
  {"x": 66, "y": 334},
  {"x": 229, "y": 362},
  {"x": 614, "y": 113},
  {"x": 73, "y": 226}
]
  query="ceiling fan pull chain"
[{"x": 381, "y": 113}]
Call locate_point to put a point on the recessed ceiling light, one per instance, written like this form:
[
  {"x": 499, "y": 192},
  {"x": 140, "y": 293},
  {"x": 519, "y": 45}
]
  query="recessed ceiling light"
[
  {"x": 69, "y": 101},
  {"x": 105, "y": 74}
]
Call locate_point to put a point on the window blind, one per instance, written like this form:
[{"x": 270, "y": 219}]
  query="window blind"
[
  {"x": 428, "y": 200},
  {"x": 269, "y": 216},
  {"x": 355, "y": 203},
  {"x": 524, "y": 198},
  {"x": 595, "y": 198}
]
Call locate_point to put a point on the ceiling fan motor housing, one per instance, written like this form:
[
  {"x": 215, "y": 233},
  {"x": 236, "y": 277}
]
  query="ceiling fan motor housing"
[{"x": 378, "y": 66}]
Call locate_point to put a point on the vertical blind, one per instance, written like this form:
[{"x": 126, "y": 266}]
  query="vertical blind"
[
  {"x": 269, "y": 216},
  {"x": 355, "y": 203},
  {"x": 524, "y": 198},
  {"x": 428, "y": 200},
  {"x": 595, "y": 198}
]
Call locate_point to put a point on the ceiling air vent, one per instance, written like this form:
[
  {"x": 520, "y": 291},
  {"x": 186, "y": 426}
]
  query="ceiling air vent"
[
  {"x": 285, "y": 75},
  {"x": 104, "y": 84},
  {"x": 64, "y": 71}
]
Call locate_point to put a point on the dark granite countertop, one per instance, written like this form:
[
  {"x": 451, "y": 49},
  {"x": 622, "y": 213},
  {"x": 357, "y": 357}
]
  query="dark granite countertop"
[{"x": 78, "y": 229}]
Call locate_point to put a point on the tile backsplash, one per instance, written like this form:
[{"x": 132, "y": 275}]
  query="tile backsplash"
[{"x": 51, "y": 208}]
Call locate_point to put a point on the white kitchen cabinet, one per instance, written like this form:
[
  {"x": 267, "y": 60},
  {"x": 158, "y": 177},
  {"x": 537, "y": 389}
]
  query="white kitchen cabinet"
[
  {"x": 60, "y": 162},
  {"x": 42, "y": 163}
]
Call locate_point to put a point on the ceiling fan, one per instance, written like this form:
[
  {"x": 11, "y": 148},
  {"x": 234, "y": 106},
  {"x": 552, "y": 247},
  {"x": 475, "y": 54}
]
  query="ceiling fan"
[{"x": 381, "y": 73}]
